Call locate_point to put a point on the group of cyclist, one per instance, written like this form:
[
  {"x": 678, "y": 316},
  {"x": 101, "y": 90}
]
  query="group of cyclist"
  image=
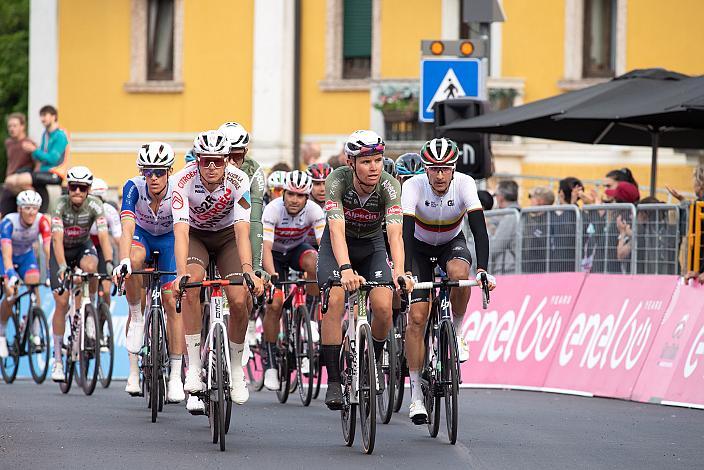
[{"x": 371, "y": 220}]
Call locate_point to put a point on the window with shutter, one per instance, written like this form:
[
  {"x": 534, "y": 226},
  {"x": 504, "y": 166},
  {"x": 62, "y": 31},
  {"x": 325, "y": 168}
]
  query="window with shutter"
[{"x": 357, "y": 39}]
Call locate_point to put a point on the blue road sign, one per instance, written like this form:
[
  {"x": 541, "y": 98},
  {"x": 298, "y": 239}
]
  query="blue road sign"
[{"x": 442, "y": 79}]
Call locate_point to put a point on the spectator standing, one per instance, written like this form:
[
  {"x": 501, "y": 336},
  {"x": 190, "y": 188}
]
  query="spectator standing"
[
  {"x": 536, "y": 231},
  {"x": 18, "y": 159},
  {"x": 698, "y": 187},
  {"x": 50, "y": 157},
  {"x": 502, "y": 242},
  {"x": 563, "y": 227}
]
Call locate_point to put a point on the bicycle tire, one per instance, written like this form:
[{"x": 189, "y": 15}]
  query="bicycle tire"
[
  {"x": 282, "y": 359},
  {"x": 432, "y": 403},
  {"x": 154, "y": 361},
  {"x": 348, "y": 414},
  {"x": 367, "y": 389},
  {"x": 220, "y": 384},
  {"x": 450, "y": 377},
  {"x": 318, "y": 371},
  {"x": 90, "y": 354},
  {"x": 401, "y": 366},
  {"x": 40, "y": 352},
  {"x": 386, "y": 401},
  {"x": 255, "y": 367},
  {"x": 107, "y": 345},
  {"x": 67, "y": 358},
  {"x": 304, "y": 350},
  {"x": 10, "y": 364}
]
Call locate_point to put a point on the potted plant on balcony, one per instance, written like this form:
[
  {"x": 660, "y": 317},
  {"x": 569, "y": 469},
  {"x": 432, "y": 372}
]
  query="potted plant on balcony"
[{"x": 398, "y": 102}]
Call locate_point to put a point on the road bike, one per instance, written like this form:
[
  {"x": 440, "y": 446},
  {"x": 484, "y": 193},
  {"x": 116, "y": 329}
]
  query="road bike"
[{"x": 107, "y": 338}]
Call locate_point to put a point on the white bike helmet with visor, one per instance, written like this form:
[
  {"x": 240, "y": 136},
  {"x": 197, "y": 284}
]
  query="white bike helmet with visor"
[
  {"x": 79, "y": 175},
  {"x": 29, "y": 198},
  {"x": 298, "y": 182},
  {"x": 156, "y": 155}
]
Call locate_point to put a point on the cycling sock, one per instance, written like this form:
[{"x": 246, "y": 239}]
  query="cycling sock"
[
  {"x": 57, "y": 347},
  {"x": 331, "y": 359},
  {"x": 136, "y": 313},
  {"x": 270, "y": 355},
  {"x": 193, "y": 348},
  {"x": 175, "y": 360},
  {"x": 236, "y": 350},
  {"x": 378, "y": 348},
  {"x": 416, "y": 392},
  {"x": 457, "y": 322},
  {"x": 134, "y": 364}
]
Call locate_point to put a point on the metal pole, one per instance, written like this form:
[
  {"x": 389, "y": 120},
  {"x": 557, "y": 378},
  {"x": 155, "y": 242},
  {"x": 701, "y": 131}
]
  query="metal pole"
[
  {"x": 655, "y": 141},
  {"x": 485, "y": 33},
  {"x": 296, "y": 84}
]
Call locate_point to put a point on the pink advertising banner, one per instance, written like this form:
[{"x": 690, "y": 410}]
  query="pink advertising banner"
[
  {"x": 609, "y": 335},
  {"x": 670, "y": 343},
  {"x": 514, "y": 342}
]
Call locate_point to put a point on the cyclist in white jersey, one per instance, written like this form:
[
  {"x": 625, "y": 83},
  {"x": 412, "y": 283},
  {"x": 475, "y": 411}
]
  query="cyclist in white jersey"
[
  {"x": 211, "y": 209},
  {"x": 99, "y": 189},
  {"x": 434, "y": 206},
  {"x": 18, "y": 233},
  {"x": 287, "y": 221},
  {"x": 148, "y": 226}
]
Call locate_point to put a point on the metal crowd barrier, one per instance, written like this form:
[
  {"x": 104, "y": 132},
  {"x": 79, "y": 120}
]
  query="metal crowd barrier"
[{"x": 600, "y": 238}]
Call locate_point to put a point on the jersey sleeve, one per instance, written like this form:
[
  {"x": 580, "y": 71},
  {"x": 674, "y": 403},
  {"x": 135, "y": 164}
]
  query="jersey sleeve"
[
  {"x": 6, "y": 231},
  {"x": 179, "y": 196},
  {"x": 409, "y": 197},
  {"x": 113, "y": 219},
  {"x": 468, "y": 189},
  {"x": 256, "y": 191},
  {"x": 391, "y": 190},
  {"x": 317, "y": 219},
  {"x": 239, "y": 183},
  {"x": 334, "y": 186},
  {"x": 44, "y": 228},
  {"x": 57, "y": 222},
  {"x": 269, "y": 221},
  {"x": 96, "y": 207},
  {"x": 130, "y": 196}
]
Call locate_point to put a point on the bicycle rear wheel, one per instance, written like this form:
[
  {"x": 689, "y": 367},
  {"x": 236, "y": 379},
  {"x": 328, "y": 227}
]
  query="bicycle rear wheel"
[
  {"x": 349, "y": 410},
  {"x": 154, "y": 360},
  {"x": 38, "y": 344},
  {"x": 450, "y": 377},
  {"x": 10, "y": 364},
  {"x": 283, "y": 358},
  {"x": 386, "y": 401},
  {"x": 432, "y": 402},
  {"x": 217, "y": 399},
  {"x": 304, "y": 354},
  {"x": 400, "y": 327},
  {"x": 90, "y": 354},
  {"x": 107, "y": 345},
  {"x": 367, "y": 388}
]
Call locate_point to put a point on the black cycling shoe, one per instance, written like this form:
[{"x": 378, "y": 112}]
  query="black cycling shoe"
[
  {"x": 333, "y": 397},
  {"x": 380, "y": 378}
]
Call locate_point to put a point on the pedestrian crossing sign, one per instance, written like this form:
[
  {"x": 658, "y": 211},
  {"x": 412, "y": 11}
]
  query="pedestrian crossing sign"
[{"x": 442, "y": 79}]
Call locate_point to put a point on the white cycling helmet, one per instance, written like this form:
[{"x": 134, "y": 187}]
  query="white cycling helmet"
[
  {"x": 236, "y": 134},
  {"x": 364, "y": 143},
  {"x": 298, "y": 182},
  {"x": 29, "y": 198},
  {"x": 79, "y": 175},
  {"x": 156, "y": 155},
  {"x": 211, "y": 143},
  {"x": 276, "y": 180},
  {"x": 99, "y": 188}
]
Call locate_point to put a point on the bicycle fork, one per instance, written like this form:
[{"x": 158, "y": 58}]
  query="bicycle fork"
[{"x": 217, "y": 320}]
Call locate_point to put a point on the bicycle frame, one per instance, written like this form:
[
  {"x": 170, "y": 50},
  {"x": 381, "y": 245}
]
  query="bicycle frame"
[
  {"x": 217, "y": 320},
  {"x": 17, "y": 312}
]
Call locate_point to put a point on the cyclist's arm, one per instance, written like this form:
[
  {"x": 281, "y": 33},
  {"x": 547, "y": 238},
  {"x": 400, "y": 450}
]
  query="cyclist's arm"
[
  {"x": 244, "y": 247},
  {"x": 318, "y": 221},
  {"x": 125, "y": 244},
  {"x": 181, "y": 247},
  {"x": 409, "y": 201},
  {"x": 409, "y": 225},
  {"x": 336, "y": 219},
  {"x": 6, "y": 229},
  {"x": 269, "y": 221},
  {"x": 394, "y": 219},
  {"x": 104, "y": 238},
  {"x": 130, "y": 196},
  {"x": 242, "y": 213},
  {"x": 256, "y": 191},
  {"x": 268, "y": 257},
  {"x": 45, "y": 234},
  {"x": 57, "y": 234},
  {"x": 477, "y": 225}
]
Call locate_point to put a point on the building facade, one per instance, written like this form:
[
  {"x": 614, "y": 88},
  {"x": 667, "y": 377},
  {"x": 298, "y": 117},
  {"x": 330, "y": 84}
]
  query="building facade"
[{"x": 122, "y": 72}]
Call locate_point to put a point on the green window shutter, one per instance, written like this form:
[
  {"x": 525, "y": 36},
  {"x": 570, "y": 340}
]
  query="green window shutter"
[{"x": 357, "y": 29}]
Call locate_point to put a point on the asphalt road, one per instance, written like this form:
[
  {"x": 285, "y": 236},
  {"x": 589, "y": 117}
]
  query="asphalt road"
[{"x": 41, "y": 428}]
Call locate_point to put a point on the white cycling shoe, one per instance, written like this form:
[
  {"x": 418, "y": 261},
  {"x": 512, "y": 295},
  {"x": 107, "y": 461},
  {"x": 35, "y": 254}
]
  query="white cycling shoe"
[
  {"x": 418, "y": 413},
  {"x": 57, "y": 372},
  {"x": 90, "y": 328},
  {"x": 4, "y": 352},
  {"x": 239, "y": 393},
  {"x": 135, "y": 337},
  {"x": 193, "y": 382},
  {"x": 462, "y": 349},
  {"x": 271, "y": 379},
  {"x": 250, "y": 337},
  {"x": 175, "y": 393},
  {"x": 132, "y": 386},
  {"x": 195, "y": 405},
  {"x": 305, "y": 366},
  {"x": 314, "y": 333}
]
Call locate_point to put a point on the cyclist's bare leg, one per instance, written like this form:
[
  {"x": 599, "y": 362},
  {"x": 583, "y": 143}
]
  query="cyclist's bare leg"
[
  {"x": 239, "y": 317},
  {"x": 191, "y": 306},
  {"x": 272, "y": 317},
  {"x": 415, "y": 346},
  {"x": 309, "y": 263},
  {"x": 58, "y": 321},
  {"x": 381, "y": 299},
  {"x": 106, "y": 288},
  {"x": 458, "y": 269},
  {"x": 331, "y": 331},
  {"x": 174, "y": 323}
]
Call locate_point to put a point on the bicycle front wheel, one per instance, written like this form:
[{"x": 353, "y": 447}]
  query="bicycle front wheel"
[
  {"x": 429, "y": 386},
  {"x": 154, "y": 361},
  {"x": 38, "y": 344},
  {"x": 401, "y": 373},
  {"x": 107, "y": 345},
  {"x": 450, "y": 377},
  {"x": 67, "y": 356},
  {"x": 217, "y": 402},
  {"x": 90, "y": 354},
  {"x": 304, "y": 356},
  {"x": 367, "y": 388},
  {"x": 10, "y": 364},
  {"x": 386, "y": 400},
  {"x": 283, "y": 359},
  {"x": 349, "y": 410}
]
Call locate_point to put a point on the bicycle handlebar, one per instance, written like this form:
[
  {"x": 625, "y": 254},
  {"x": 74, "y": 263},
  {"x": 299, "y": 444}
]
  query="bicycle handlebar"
[
  {"x": 184, "y": 284},
  {"x": 367, "y": 286},
  {"x": 460, "y": 283}
]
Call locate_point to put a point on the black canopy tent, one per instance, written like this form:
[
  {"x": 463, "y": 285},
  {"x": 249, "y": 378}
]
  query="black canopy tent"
[{"x": 617, "y": 112}]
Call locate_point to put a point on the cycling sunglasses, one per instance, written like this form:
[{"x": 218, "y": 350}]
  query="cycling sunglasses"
[
  {"x": 157, "y": 172},
  {"x": 77, "y": 187},
  {"x": 374, "y": 150},
  {"x": 207, "y": 162}
]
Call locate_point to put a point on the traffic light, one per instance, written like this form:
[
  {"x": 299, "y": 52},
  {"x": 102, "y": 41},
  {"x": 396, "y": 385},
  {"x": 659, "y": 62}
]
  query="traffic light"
[{"x": 455, "y": 48}]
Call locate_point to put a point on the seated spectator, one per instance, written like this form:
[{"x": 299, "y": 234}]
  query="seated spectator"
[
  {"x": 502, "y": 241},
  {"x": 19, "y": 160},
  {"x": 50, "y": 156}
]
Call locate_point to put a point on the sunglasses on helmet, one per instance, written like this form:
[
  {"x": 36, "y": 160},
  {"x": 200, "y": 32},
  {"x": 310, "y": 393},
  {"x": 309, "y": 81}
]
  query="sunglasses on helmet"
[{"x": 372, "y": 150}]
